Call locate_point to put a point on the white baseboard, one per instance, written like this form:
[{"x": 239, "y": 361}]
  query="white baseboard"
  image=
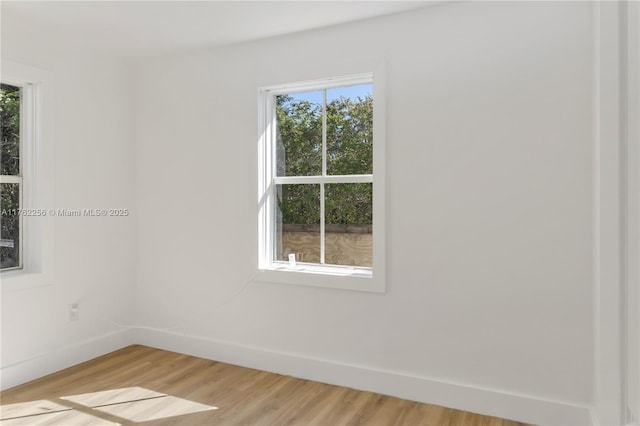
[
  {"x": 64, "y": 357},
  {"x": 507, "y": 405}
]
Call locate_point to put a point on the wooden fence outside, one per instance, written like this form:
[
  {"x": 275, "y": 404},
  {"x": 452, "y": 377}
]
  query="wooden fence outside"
[{"x": 350, "y": 245}]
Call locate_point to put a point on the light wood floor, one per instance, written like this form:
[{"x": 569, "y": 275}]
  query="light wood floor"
[{"x": 166, "y": 384}]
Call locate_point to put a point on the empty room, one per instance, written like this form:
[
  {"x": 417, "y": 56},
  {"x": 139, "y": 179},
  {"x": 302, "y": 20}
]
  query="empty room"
[{"x": 320, "y": 213}]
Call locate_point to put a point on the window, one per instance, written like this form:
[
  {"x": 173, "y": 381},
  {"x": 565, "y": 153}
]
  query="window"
[
  {"x": 27, "y": 184},
  {"x": 319, "y": 186},
  {"x": 11, "y": 184}
]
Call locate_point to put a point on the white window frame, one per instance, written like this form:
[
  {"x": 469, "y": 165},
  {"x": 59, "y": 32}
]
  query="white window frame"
[
  {"x": 27, "y": 117},
  {"x": 370, "y": 279},
  {"x": 37, "y": 170}
]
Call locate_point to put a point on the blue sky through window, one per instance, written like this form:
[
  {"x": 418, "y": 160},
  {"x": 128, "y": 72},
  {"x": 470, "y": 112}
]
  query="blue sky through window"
[{"x": 360, "y": 90}]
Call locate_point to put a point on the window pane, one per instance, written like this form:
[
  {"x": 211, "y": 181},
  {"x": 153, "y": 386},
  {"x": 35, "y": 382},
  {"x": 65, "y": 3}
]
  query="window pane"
[
  {"x": 298, "y": 223},
  {"x": 349, "y": 224},
  {"x": 350, "y": 130},
  {"x": 299, "y": 134},
  {"x": 10, "y": 225},
  {"x": 10, "y": 128}
]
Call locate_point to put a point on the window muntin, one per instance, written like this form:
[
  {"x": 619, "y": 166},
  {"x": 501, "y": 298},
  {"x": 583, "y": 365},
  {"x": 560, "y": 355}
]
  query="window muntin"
[
  {"x": 11, "y": 181},
  {"x": 320, "y": 181}
]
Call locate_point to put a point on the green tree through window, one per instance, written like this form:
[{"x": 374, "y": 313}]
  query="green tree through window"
[
  {"x": 349, "y": 149},
  {"x": 10, "y": 185}
]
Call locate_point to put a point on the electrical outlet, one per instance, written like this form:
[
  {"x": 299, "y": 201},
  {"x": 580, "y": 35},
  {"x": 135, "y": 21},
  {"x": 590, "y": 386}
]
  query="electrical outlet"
[{"x": 74, "y": 312}]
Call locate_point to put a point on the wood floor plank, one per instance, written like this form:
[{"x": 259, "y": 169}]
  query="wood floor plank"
[
  {"x": 427, "y": 415},
  {"x": 243, "y": 396},
  {"x": 346, "y": 409},
  {"x": 379, "y": 409},
  {"x": 320, "y": 408}
]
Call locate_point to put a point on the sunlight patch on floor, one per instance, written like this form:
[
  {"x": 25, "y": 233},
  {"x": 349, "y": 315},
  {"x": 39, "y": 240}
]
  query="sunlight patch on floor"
[
  {"x": 156, "y": 408},
  {"x": 30, "y": 408},
  {"x": 133, "y": 404},
  {"x": 113, "y": 396},
  {"x": 69, "y": 417}
]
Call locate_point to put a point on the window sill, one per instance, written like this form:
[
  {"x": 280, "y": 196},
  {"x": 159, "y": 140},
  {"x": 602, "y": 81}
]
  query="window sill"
[{"x": 335, "y": 277}]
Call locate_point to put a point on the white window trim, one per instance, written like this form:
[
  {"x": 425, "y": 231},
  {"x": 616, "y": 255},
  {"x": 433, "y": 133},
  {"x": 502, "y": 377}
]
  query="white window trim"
[
  {"x": 36, "y": 156},
  {"x": 27, "y": 127},
  {"x": 326, "y": 276}
]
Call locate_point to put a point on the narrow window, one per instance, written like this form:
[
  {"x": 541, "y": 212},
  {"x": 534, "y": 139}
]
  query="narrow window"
[{"x": 11, "y": 184}]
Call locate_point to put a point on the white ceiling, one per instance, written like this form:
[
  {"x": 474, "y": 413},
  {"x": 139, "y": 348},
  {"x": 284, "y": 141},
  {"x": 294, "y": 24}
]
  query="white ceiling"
[{"x": 148, "y": 28}]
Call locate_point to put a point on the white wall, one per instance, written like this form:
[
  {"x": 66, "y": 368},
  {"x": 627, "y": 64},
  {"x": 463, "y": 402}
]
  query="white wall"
[
  {"x": 489, "y": 223},
  {"x": 91, "y": 126}
]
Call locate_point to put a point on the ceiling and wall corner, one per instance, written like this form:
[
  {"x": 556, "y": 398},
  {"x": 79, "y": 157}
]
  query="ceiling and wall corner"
[{"x": 139, "y": 29}]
